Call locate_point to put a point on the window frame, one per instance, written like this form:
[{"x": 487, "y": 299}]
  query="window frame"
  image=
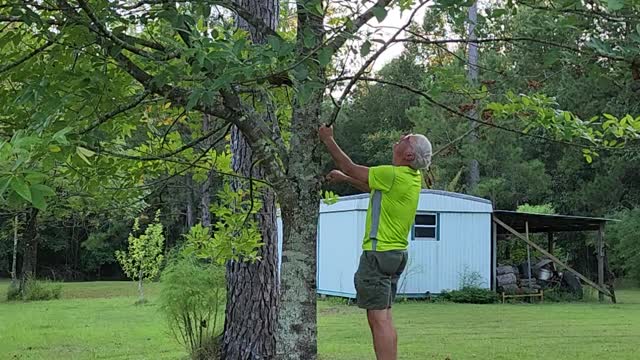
[{"x": 436, "y": 227}]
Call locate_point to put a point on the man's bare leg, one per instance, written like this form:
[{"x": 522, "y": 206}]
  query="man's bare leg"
[{"x": 385, "y": 337}]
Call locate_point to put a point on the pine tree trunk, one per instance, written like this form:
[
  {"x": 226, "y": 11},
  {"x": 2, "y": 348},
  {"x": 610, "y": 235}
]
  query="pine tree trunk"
[
  {"x": 30, "y": 254},
  {"x": 14, "y": 259},
  {"x": 252, "y": 289}
]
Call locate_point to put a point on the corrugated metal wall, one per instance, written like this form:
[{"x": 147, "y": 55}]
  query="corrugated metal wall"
[
  {"x": 464, "y": 244},
  {"x": 339, "y": 251}
]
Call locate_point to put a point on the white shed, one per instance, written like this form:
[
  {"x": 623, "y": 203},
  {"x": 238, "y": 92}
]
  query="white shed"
[{"x": 451, "y": 236}]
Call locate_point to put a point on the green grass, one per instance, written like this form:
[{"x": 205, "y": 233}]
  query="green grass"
[{"x": 100, "y": 321}]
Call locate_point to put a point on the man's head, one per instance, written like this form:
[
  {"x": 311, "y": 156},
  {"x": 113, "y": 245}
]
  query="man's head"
[{"x": 413, "y": 150}]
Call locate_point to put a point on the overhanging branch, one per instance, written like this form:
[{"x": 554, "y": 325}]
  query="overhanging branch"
[
  {"x": 431, "y": 100},
  {"x": 359, "y": 22},
  {"x": 25, "y": 58},
  {"x": 121, "y": 109},
  {"x": 426, "y": 41}
]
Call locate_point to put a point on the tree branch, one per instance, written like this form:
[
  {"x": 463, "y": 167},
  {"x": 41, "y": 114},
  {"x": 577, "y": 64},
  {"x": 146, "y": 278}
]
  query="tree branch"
[
  {"x": 359, "y": 22},
  {"x": 248, "y": 16},
  {"x": 426, "y": 41},
  {"x": 460, "y": 114},
  {"x": 101, "y": 29},
  {"x": 370, "y": 61},
  {"x": 35, "y": 52},
  {"x": 165, "y": 156},
  {"x": 104, "y": 118}
]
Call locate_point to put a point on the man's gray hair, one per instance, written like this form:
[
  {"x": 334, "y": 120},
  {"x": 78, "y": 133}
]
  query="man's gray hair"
[{"x": 422, "y": 151}]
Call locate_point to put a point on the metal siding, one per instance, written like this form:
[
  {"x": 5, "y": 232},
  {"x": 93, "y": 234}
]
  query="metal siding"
[
  {"x": 339, "y": 247},
  {"x": 464, "y": 238},
  {"x": 443, "y": 203},
  {"x": 434, "y": 266}
]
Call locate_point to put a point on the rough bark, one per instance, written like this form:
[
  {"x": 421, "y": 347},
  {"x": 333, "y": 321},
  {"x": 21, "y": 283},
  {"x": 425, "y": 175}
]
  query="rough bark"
[
  {"x": 297, "y": 334},
  {"x": 252, "y": 289},
  {"x": 30, "y": 254}
]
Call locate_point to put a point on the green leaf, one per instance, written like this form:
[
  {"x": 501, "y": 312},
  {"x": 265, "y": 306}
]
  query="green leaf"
[
  {"x": 638, "y": 29},
  {"x": 35, "y": 177},
  {"x": 86, "y": 152},
  {"x": 21, "y": 188},
  {"x": 43, "y": 189},
  {"x": 37, "y": 199},
  {"x": 324, "y": 56},
  {"x": 193, "y": 99},
  {"x": 4, "y": 184},
  {"x": 614, "y": 5},
  {"x": 380, "y": 13},
  {"x": 61, "y": 136},
  {"x": 84, "y": 155},
  {"x": 365, "y": 49},
  {"x": 308, "y": 38},
  {"x": 54, "y": 148}
]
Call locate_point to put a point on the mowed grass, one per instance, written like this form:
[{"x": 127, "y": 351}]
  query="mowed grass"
[{"x": 99, "y": 320}]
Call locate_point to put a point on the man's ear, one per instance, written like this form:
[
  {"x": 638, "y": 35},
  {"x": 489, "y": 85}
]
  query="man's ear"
[{"x": 409, "y": 156}]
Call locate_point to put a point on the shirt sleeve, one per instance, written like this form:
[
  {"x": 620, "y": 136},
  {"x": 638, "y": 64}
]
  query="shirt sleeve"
[{"x": 381, "y": 177}]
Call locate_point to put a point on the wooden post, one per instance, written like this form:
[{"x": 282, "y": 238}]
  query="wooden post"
[
  {"x": 553, "y": 258},
  {"x": 550, "y": 242},
  {"x": 494, "y": 256},
  {"x": 601, "y": 260}
]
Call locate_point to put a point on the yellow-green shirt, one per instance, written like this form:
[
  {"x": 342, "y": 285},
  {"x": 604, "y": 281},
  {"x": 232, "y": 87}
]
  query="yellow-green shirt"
[{"x": 395, "y": 191}]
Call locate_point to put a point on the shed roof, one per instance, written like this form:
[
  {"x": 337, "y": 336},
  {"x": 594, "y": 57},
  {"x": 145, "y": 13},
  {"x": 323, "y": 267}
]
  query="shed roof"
[
  {"x": 427, "y": 191},
  {"x": 540, "y": 223}
]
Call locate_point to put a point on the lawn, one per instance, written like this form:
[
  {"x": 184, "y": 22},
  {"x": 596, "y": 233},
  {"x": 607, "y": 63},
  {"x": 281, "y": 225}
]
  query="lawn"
[{"x": 100, "y": 321}]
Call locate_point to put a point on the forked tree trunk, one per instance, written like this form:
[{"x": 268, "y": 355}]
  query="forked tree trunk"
[{"x": 252, "y": 289}]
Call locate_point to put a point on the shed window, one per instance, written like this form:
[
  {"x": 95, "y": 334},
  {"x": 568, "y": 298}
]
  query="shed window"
[{"x": 426, "y": 227}]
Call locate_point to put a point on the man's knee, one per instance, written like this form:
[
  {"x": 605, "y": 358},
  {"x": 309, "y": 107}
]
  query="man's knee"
[{"x": 379, "y": 317}]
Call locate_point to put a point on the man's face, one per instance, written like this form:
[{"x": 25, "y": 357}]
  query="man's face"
[{"x": 403, "y": 150}]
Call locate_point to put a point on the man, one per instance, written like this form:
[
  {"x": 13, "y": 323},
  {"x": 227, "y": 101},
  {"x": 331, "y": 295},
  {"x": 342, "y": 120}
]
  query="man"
[{"x": 395, "y": 190}]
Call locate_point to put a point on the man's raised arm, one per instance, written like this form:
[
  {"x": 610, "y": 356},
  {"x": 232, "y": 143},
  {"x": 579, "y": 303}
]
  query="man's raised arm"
[{"x": 343, "y": 162}]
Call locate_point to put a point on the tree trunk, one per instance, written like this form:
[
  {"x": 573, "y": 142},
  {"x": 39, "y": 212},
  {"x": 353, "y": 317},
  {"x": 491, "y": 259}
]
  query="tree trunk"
[
  {"x": 140, "y": 288},
  {"x": 30, "y": 255},
  {"x": 205, "y": 196},
  {"x": 474, "y": 166},
  {"x": 14, "y": 275},
  {"x": 297, "y": 336},
  {"x": 190, "y": 218},
  {"x": 252, "y": 289}
]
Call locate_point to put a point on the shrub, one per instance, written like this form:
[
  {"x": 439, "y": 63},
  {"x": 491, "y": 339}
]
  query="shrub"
[
  {"x": 13, "y": 293},
  {"x": 471, "y": 295},
  {"x": 35, "y": 290},
  {"x": 192, "y": 298}
]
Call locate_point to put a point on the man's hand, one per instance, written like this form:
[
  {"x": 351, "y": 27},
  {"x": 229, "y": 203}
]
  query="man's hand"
[
  {"x": 325, "y": 133},
  {"x": 336, "y": 176}
]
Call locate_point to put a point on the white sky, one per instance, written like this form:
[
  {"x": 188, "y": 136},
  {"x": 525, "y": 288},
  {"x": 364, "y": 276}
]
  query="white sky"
[{"x": 395, "y": 18}]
